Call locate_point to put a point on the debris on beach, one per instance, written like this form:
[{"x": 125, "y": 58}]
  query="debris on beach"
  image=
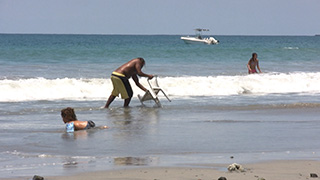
[
  {"x": 313, "y": 175},
  {"x": 222, "y": 178},
  {"x": 36, "y": 177},
  {"x": 236, "y": 167}
]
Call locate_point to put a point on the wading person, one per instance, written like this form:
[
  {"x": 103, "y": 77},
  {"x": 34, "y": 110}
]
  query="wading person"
[
  {"x": 253, "y": 63},
  {"x": 120, "y": 80}
]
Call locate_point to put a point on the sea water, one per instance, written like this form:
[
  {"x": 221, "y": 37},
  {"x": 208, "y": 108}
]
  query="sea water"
[{"x": 217, "y": 109}]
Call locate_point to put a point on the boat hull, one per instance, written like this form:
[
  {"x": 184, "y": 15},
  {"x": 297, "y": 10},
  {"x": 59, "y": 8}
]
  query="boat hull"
[{"x": 192, "y": 40}]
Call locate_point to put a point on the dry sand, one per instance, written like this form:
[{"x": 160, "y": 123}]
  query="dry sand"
[{"x": 275, "y": 170}]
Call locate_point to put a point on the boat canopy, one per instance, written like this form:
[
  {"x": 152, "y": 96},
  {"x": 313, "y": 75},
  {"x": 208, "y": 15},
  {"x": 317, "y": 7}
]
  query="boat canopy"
[
  {"x": 199, "y": 29},
  {"x": 199, "y": 32}
]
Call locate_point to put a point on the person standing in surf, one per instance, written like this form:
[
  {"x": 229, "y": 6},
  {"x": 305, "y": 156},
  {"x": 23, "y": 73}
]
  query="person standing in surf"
[
  {"x": 253, "y": 63},
  {"x": 120, "y": 80}
]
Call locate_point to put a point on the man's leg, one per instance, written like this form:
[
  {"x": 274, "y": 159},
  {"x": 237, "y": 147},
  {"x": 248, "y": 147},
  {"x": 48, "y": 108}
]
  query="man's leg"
[
  {"x": 127, "y": 102},
  {"x": 111, "y": 98}
]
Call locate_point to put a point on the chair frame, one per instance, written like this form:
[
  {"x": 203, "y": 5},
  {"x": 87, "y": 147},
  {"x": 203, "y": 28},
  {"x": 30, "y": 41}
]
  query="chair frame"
[{"x": 152, "y": 94}]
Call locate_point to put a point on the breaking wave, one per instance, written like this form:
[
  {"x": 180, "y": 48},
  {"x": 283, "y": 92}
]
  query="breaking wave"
[{"x": 34, "y": 89}]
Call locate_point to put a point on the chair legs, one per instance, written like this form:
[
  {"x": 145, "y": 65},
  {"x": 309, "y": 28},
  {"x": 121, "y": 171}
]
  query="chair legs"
[{"x": 153, "y": 95}]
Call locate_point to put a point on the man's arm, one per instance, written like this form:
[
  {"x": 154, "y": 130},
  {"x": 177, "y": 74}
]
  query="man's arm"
[
  {"x": 140, "y": 73},
  {"x": 136, "y": 80}
]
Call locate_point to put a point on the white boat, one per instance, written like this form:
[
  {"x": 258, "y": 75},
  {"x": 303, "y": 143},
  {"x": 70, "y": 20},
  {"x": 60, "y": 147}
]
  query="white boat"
[{"x": 199, "y": 39}]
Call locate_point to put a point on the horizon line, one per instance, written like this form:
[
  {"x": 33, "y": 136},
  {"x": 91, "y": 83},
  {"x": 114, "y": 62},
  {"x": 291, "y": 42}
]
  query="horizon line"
[{"x": 100, "y": 34}]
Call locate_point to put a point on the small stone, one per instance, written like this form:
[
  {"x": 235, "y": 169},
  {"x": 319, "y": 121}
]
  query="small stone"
[
  {"x": 313, "y": 175},
  {"x": 261, "y": 179},
  {"x": 222, "y": 178},
  {"x": 36, "y": 177}
]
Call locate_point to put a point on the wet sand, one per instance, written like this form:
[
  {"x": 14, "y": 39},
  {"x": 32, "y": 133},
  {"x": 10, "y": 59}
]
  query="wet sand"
[{"x": 274, "y": 170}]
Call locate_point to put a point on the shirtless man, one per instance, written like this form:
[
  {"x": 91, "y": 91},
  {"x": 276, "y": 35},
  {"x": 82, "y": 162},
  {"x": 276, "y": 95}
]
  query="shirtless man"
[
  {"x": 120, "y": 80},
  {"x": 253, "y": 63}
]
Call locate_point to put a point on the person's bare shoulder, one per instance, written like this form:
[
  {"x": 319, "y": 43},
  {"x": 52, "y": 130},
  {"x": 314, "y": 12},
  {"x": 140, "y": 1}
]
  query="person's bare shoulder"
[{"x": 132, "y": 62}]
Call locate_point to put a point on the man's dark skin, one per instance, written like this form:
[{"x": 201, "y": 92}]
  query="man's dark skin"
[{"x": 131, "y": 69}]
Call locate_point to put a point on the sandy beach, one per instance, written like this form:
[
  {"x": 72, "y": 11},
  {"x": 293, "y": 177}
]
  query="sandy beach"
[{"x": 274, "y": 170}]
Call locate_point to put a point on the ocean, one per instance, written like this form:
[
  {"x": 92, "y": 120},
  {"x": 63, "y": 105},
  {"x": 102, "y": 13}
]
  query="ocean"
[{"x": 217, "y": 111}]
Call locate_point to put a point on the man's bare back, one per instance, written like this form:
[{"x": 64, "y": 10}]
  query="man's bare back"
[{"x": 133, "y": 67}]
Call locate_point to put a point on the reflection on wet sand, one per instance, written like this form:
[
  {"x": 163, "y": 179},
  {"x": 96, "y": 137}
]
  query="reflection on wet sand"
[
  {"x": 82, "y": 134},
  {"x": 133, "y": 116},
  {"x": 70, "y": 163},
  {"x": 133, "y": 124},
  {"x": 135, "y": 161},
  {"x": 77, "y": 161}
]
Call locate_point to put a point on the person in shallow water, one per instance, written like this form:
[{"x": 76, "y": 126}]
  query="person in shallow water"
[
  {"x": 72, "y": 123},
  {"x": 120, "y": 80},
  {"x": 253, "y": 63}
]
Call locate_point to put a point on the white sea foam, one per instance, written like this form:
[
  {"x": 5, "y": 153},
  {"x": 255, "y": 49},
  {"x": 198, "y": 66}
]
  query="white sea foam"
[
  {"x": 291, "y": 47},
  {"x": 177, "y": 87}
]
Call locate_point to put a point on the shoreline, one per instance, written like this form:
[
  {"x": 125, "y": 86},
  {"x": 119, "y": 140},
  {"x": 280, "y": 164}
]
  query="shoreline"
[{"x": 268, "y": 170}]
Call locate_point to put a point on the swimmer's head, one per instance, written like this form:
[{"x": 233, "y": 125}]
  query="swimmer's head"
[
  {"x": 254, "y": 55},
  {"x": 68, "y": 115}
]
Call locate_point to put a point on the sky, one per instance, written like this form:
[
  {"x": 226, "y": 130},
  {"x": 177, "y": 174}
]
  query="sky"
[{"x": 148, "y": 17}]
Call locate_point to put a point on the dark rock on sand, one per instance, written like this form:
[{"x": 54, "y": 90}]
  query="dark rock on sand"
[
  {"x": 222, "y": 178},
  {"x": 313, "y": 175},
  {"x": 35, "y": 177}
]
